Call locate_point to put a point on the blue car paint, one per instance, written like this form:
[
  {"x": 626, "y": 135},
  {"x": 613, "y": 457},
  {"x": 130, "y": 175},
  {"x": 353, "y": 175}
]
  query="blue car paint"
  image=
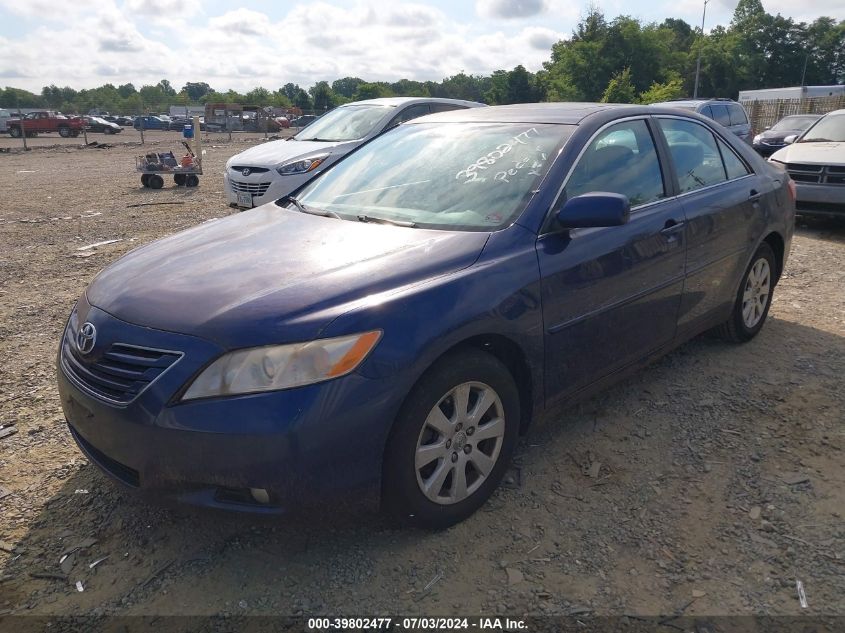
[{"x": 573, "y": 307}]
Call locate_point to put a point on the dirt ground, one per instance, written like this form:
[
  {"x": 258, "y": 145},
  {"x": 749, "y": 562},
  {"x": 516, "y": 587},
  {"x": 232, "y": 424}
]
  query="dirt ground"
[{"x": 707, "y": 484}]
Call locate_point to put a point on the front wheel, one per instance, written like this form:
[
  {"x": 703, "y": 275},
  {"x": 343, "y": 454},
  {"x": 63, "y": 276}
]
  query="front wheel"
[
  {"x": 15, "y": 132},
  {"x": 753, "y": 299},
  {"x": 64, "y": 132},
  {"x": 452, "y": 441}
]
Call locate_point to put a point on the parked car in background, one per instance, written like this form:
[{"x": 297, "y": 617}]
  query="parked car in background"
[
  {"x": 99, "y": 124},
  {"x": 5, "y": 115},
  {"x": 269, "y": 171},
  {"x": 125, "y": 121},
  {"x": 42, "y": 121},
  {"x": 178, "y": 123},
  {"x": 390, "y": 332},
  {"x": 726, "y": 112},
  {"x": 302, "y": 121},
  {"x": 150, "y": 122},
  {"x": 768, "y": 142},
  {"x": 815, "y": 160}
]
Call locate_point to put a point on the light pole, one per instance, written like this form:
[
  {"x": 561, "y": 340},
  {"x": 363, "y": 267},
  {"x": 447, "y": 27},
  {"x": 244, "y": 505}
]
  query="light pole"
[{"x": 700, "y": 46}]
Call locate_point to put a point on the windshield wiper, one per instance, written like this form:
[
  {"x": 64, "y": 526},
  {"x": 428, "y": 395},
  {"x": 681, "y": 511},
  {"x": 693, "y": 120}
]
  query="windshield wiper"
[
  {"x": 321, "y": 212},
  {"x": 317, "y": 139},
  {"x": 815, "y": 140},
  {"x": 369, "y": 218}
]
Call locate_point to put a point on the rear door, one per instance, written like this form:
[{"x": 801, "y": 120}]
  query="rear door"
[
  {"x": 611, "y": 295},
  {"x": 720, "y": 195}
]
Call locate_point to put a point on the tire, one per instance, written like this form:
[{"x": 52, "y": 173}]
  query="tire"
[
  {"x": 145, "y": 180},
  {"x": 155, "y": 181},
  {"x": 64, "y": 132},
  {"x": 15, "y": 132},
  {"x": 419, "y": 456},
  {"x": 179, "y": 179},
  {"x": 753, "y": 298},
  {"x": 191, "y": 180}
]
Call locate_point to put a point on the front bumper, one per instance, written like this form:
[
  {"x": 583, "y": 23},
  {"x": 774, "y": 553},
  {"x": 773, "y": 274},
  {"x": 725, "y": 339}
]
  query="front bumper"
[
  {"x": 262, "y": 187},
  {"x": 303, "y": 446},
  {"x": 820, "y": 200}
]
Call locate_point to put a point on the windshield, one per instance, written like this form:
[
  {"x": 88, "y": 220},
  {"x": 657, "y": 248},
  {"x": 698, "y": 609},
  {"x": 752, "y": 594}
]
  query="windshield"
[
  {"x": 347, "y": 123},
  {"x": 827, "y": 128},
  {"x": 453, "y": 176},
  {"x": 794, "y": 123}
]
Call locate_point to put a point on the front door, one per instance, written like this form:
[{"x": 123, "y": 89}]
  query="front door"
[{"x": 611, "y": 295}]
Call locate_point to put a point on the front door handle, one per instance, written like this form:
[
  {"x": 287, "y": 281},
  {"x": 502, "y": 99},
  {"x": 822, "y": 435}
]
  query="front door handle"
[
  {"x": 671, "y": 227},
  {"x": 754, "y": 196}
]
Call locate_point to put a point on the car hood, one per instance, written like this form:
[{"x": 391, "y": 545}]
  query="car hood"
[
  {"x": 275, "y": 152},
  {"x": 272, "y": 274},
  {"x": 778, "y": 134},
  {"x": 812, "y": 153}
]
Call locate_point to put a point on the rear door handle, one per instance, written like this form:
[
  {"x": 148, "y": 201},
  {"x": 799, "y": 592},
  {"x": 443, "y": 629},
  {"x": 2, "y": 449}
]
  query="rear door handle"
[{"x": 671, "y": 227}]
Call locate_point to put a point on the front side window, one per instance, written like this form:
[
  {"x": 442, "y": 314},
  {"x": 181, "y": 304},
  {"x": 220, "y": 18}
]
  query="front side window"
[
  {"x": 621, "y": 159},
  {"x": 720, "y": 115},
  {"x": 411, "y": 112},
  {"x": 346, "y": 123},
  {"x": 694, "y": 153},
  {"x": 453, "y": 176}
]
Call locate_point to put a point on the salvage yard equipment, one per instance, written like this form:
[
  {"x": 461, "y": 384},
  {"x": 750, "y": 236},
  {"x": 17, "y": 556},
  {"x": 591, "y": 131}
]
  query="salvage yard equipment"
[{"x": 186, "y": 170}]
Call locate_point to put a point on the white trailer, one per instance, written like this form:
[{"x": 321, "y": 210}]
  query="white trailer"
[{"x": 797, "y": 92}]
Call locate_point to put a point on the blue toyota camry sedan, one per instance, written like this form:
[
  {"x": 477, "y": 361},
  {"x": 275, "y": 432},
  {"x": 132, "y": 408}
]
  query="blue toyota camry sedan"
[{"x": 388, "y": 331}]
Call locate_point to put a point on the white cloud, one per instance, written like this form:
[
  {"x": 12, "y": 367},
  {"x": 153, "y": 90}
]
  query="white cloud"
[
  {"x": 242, "y": 22},
  {"x": 510, "y": 9}
]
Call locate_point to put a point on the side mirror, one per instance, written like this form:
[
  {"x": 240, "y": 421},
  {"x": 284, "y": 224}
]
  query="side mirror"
[
  {"x": 768, "y": 127},
  {"x": 594, "y": 209},
  {"x": 789, "y": 140}
]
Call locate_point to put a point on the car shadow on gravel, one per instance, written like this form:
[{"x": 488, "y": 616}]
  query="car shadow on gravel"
[
  {"x": 609, "y": 503},
  {"x": 829, "y": 229}
]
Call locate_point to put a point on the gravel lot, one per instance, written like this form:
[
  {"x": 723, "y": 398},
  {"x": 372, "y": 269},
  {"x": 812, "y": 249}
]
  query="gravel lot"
[{"x": 707, "y": 484}]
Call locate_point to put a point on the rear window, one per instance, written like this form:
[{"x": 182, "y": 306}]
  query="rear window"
[{"x": 737, "y": 114}]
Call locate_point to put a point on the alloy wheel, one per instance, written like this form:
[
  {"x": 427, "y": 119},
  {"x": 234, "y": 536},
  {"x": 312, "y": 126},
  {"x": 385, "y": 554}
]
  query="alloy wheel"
[
  {"x": 756, "y": 294},
  {"x": 459, "y": 443}
]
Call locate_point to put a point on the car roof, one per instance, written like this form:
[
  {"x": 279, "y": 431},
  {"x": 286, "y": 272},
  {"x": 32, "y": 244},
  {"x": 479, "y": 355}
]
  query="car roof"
[
  {"x": 692, "y": 103},
  {"x": 836, "y": 112},
  {"x": 560, "y": 113},
  {"x": 400, "y": 101}
]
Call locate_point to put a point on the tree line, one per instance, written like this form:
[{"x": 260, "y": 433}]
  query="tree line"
[{"x": 622, "y": 61}]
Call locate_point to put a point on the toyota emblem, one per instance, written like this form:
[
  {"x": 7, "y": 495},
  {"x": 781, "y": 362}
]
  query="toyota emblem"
[
  {"x": 86, "y": 337},
  {"x": 246, "y": 171}
]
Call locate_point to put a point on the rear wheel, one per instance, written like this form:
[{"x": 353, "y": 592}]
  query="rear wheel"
[
  {"x": 179, "y": 179},
  {"x": 64, "y": 132},
  {"x": 15, "y": 132},
  {"x": 753, "y": 299},
  {"x": 192, "y": 180},
  {"x": 154, "y": 181},
  {"x": 452, "y": 441}
]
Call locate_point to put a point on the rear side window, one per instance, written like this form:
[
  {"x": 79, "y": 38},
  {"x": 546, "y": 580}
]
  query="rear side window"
[
  {"x": 737, "y": 114},
  {"x": 695, "y": 154},
  {"x": 720, "y": 115},
  {"x": 706, "y": 111},
  {"x": 734, "y": 167},
  {"x": 621, "y": 159}
]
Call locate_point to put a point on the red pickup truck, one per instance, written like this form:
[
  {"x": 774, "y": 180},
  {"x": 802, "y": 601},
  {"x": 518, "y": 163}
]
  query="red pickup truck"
[{"x": 45, "y": 121}]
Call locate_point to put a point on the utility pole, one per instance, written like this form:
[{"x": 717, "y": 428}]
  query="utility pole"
[
  {"x": 804, "y": 72},
  {"x": 700, "y": 46}
]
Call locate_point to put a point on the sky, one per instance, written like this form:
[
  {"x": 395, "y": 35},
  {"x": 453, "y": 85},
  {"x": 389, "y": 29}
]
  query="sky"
[{"x": 87, "y": 43}]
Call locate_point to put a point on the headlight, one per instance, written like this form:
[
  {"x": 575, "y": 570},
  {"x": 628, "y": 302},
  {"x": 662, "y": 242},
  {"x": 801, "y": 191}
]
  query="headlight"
[
  {"x": 301, "y": 165},
  {"x": 282, "y": 366},
  {"x": 758, "y": 138}
]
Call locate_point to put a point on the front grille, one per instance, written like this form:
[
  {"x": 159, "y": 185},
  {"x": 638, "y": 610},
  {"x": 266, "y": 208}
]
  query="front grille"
[
  {"x": 120, "y": 374},
  {"x": 254, "y": 170},
  {"x": 256, "y": 188},
  {"x": 816, "y": 174}
]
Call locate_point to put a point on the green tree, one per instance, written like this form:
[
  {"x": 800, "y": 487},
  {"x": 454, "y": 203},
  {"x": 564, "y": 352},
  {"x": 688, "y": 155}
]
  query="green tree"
[
  {"x": 659, "y": 92},
  {"x": 322, "y": 96},
  {"x": 197, "y": 90},
  {"x": 166, "y": 89},
  {"x": 371, "y": 91},
  {"x": 516, "y": 86},
  {"x": 347, "y": 86},
  {"x": 258, "y": 96},
  {"x": 126, "y": 89},
  {"x": 620, "y": 88}
]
